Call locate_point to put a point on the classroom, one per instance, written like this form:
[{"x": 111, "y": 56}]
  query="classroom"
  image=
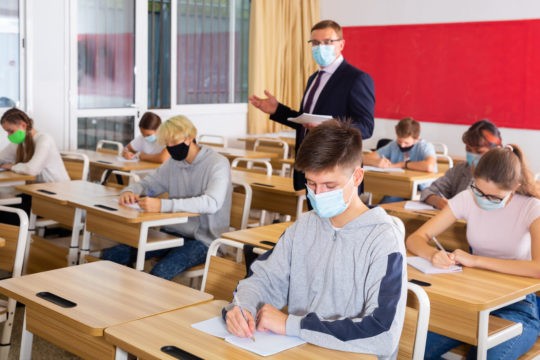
[{"x": 192, "y": 158}]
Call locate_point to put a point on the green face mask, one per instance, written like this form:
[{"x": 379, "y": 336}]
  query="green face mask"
[{"x": 17, "y": 137}]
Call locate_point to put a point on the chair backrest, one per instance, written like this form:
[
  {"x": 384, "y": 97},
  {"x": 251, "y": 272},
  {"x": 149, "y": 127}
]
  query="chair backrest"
[
  {"x": 444, "y": 162},
  {"x": 276, "y": 146},
  {"x": 440, "y": 148},
  {"x": 412, "y": 343},
  {"x": 77, "y": 165},
  {"x": 212, "y": 140},
  {"x": 221, "y": 275},
  {"x": 109, "y": 146},
  {"x": 127, "y": 178},
  {"x": 12, "y": 254},
  {"x": 252, "y": 165},
  {"x": 382, "y": 142},
  {"x": 241, "y": 204}
]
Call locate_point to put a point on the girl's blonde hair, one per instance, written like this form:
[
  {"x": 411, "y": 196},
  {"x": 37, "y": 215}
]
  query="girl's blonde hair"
[{"x": 176, "y": 129}]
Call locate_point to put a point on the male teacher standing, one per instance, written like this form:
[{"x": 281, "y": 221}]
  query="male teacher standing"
[{"x": 338, "y": 89}]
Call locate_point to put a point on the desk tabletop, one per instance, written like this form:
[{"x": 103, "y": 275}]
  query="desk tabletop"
[
  {"x": 254, "y": 236},
  {"x": 2, "y": 242},
  {"x": 144, "y": 338},
  {"x": 406, "y": 175},
  {"x": 112, "y": 161},
  {"x": 60, "y": 192},
  {"x": 10, "y": 176},
  {"x": 106, "y": 294},
  {"x": 272, "y": 183},
  {"x": 232, "y": 153},
  {"x": 475, "y": 289}
]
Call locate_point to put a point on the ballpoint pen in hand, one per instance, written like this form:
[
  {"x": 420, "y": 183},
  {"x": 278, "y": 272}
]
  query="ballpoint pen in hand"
[
  {"x": 237, "y": 302},
  {"x": 438, "y": 244}
]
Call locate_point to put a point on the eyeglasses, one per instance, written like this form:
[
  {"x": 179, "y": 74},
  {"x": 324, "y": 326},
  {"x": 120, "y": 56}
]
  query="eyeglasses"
[
  {"x": 324, "y": 42},
  {"x": 492, "y": 198}
]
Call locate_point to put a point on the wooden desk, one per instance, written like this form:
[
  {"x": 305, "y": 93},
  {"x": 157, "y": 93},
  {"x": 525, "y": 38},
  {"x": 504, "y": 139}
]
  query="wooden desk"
[
  {"x": 272, "y": 193},
  {"x": 53, "y": 204},
  {"x": 2, "y": 242},
  {"x": 8, "y": 179},
  {"x": 232, "y": 153},
  {"x": 461, "y": 304},
  {"x": 254, "y": 236},
  {"x": 453, "y": 238},
  {"x": 144, "y": 338},
  {"x": 402, "y": 184},
  {"x": 106, "y": 294}
]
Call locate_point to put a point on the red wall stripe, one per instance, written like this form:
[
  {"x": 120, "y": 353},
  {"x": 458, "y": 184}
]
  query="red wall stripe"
[{"x": 453, "y": 73}]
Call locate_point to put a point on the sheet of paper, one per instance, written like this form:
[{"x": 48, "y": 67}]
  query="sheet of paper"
[
  {"x": 418, "y": 205},
  {"x": 310, "y": 118},
  {"x": 135, "y": 206},
  {"x": 265, "y": 344},
  {"x": 378, "y": 169},
  {"x": 426, "y": 267},
  {"x": 123, "y": 159}
]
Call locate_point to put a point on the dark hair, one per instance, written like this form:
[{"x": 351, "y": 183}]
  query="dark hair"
[
  {"x": 328, "y": 145},
  {"x": 408, "y": 127},
  {"x": 482, "y": 133},
  {"x": 15, "y": 116},
  {"x": 325, "y": 24},
  {"x": 149, "y": 121},
  {"x": 507, "y": 168}
]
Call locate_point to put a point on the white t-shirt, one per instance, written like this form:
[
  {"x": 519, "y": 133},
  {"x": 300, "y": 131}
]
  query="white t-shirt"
[
  {"x": 139, "y": 144},
  {"x": 501, "y": 233},
  {"x": 46, "y": 164}
]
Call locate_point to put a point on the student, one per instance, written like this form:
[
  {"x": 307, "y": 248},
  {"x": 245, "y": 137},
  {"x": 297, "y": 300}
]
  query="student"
[
  {"x": 197, "y": 179},
  {"x": 482, "y": 136},
  {"x": 502, "y": 211},
  {"x": 145, "y": 145},
  {"x": 340, "y": 268},
  {"x": 30, "y": 152},
  {"x": 408, "y": 151}
]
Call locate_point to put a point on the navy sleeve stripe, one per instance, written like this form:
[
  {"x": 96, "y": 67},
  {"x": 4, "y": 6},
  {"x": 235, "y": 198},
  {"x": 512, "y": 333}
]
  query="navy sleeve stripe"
[{"x": 379, "y": 321}]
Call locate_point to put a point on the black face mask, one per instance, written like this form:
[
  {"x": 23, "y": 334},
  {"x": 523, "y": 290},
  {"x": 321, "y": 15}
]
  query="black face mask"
[
  {"x": 405, "y": 149},
  {"x": 178, "y": 152}
]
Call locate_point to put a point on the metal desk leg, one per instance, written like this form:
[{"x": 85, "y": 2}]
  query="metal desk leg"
[
  {"x": 26, "y": 342},
  {"x": 120, "y": 354}
]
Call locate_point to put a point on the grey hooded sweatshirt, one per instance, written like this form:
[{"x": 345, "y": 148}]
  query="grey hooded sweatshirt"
[{"x": 345, "y": 288}]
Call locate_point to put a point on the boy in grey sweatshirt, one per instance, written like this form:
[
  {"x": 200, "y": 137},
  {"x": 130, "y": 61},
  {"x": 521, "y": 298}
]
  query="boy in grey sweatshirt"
[
  {"x": 340, "y": 268},
  {"x": 197, "y": 179}
]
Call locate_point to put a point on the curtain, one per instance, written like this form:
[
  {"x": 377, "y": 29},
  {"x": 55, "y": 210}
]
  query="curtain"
[{"x": 279, "y": 56}]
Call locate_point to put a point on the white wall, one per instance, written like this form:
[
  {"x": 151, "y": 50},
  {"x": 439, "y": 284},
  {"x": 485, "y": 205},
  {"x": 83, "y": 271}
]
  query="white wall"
[{"x": 373, "y": 12}]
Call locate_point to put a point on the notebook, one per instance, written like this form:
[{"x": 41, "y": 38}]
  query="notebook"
[
  {"x": 265, "y": 344},
  {"x": 378, "y": 169},
  {"x": 427, "y": 267}
]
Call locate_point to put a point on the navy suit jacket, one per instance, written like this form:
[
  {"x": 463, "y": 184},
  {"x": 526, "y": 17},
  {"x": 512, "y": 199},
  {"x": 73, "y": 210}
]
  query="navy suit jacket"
[{"x": 348, "y": 95}]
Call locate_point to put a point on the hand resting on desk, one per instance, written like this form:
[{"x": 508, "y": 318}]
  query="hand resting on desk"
[{"x": 146, "y": 203}]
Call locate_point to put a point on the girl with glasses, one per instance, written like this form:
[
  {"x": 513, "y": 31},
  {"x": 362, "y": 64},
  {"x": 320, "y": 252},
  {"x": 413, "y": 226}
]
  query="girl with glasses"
[{"x": 502, "y": 210}]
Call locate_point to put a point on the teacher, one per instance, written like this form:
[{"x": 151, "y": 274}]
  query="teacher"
[{"x": 337, "y": 89}]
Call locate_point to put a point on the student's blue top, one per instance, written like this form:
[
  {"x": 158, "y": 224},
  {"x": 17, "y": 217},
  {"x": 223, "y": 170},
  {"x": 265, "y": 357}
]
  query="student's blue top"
[{"x": 420, "y": 151}]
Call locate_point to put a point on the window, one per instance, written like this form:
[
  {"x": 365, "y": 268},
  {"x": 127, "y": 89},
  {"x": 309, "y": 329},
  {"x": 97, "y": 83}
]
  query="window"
[{"x": 10, "y": 60}]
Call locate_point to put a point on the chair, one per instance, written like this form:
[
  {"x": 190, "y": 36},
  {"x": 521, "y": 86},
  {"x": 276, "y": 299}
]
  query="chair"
[
  {"x": 120, "y": 177},
  {"x": 444, "y": 161},
  {"x": 382, "y": 142},
  {"x": 276, "y": 146},
  {"x": 11, "y": 262},
  {"x": 212, "y": 140},
  {"x": 440, "y": 148},
  {"x": 412, "y": 343},
  {"x": 264, "y": 165},
  {"x": 109, "y": 146},
  {"x": 240, "y": 206}
]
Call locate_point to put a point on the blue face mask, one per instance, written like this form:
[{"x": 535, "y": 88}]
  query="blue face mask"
[
  {"x": 150, "y": 138},
  {"x": 485, "y": 204},
  {"x": 330, "y": 203},
  {"x": 472, "y": 158},
  {"x": 324, "y": 55}
]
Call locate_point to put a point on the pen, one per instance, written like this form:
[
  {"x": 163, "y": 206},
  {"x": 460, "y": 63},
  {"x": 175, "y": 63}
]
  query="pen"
[
  {"x": 438, "y": 244},
  {"x": 441, "y": 194},
  {"x": 235, "y": 298}
]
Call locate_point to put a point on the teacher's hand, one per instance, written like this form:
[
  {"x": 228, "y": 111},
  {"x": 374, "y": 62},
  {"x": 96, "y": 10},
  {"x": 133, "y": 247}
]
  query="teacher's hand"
[{"x": 268, "y": 105}]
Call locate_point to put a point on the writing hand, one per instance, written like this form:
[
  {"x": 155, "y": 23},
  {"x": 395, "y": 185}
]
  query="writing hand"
[
  {"x": 268, "y": 105},
  {"x": 237, "y": 325},
  {"x": 442, "y": 259},
  {"x": 271, "y": 319}
]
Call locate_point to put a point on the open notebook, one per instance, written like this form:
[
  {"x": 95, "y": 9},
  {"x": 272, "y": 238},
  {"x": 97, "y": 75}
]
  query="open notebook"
[
  {"x": 426, "y": 267},
  {"x": 378, "y": 169},
  {"x": 265, "y": 344}
]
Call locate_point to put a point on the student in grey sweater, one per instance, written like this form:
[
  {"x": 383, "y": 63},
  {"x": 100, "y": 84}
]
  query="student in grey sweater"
[
  {"x": 197, "y": 179},
  {"x": 339, "y": 269},
  {"x": 481, "y": 137}
]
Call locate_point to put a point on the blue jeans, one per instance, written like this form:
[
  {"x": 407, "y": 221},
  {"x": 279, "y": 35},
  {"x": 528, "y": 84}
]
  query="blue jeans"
[
  {"x": 525, "y": 312},
  {"x": 172, "y": 261}
]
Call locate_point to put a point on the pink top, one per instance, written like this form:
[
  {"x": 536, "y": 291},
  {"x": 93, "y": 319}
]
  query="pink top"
[{"x": 501, "y": 233}]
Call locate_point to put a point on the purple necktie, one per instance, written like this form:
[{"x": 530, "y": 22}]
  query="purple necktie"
[{"x": 312, "y": 92}]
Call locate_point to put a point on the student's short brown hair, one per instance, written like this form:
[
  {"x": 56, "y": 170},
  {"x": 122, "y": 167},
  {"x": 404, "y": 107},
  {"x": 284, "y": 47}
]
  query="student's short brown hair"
[
  {"x": 408, "y": 127},
  {"x": 149, "y": 121},
  {"x": 333, "y": 143},
  {"x": 482, "y": 133},
  {"x": 324, "y": 24}
]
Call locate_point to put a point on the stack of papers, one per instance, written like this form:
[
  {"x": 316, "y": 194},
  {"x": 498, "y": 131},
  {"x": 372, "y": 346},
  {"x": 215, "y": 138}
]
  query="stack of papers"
[
  {"x": 265, "y": 344},
  {"x": 310, "y": 118},
  {"x": 418, "y": 205},
  {"x": 378, "y": 169},
  {"x": 427, "y": 267}
]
